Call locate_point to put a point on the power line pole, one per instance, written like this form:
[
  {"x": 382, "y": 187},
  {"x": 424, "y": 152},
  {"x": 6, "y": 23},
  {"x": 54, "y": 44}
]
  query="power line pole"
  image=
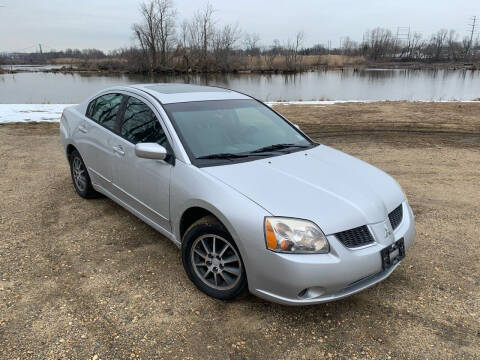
[
  {"x": 403, "y": 34},
  {"x": 473, "y": 25},
  {"x": 402, "y": 38},
  {"x": 40, "y": 48}
]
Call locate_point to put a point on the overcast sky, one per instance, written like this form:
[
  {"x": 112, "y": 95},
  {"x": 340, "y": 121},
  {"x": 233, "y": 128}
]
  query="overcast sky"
[{"x": 106, "y": 24}]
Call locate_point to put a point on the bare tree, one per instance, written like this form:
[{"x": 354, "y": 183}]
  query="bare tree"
[
  {"x": 292, "y": 52},
  {"x": 453, "y": 45},
  {"x": 223, "y": 44},
  {"x": 155, "y": 33},
  {"x": 165, "y": 17},
  {"x": 146, "y": 32},
  {"x": 299, "y": 38},
  {"x": 272, "y": 53},
  {"x": 437, "y": 44},
  {"x": 183, "y": 45},
  {"x": 349, "y": 46},
  {"x": 202, "y": 29},
  {"x": 378, "y": 43},
  {"x": 251, "y": 42},
  {"x": 414, "y": 46}
]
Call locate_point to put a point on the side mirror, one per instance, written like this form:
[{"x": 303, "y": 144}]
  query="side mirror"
[
  {"x": 150, "y": 151},
  {"x": 297, "y": 126}
]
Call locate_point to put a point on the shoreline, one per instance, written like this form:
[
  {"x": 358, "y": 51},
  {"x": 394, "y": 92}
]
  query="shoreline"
[
  {"x": 50, "y": 113},
  {"x": 78, "y": 68}
]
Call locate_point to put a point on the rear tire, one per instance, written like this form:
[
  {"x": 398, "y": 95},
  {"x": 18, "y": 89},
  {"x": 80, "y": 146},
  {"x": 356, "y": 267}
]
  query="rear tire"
[
  {"x": 81, "y": 179},
  {"x": 212, "y": 260}
]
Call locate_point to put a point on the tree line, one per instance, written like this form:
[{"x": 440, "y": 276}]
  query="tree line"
[
  {"x": 444, "y": 45},
  {"x": 163, "y": 43},
  {"x": 198, "y": 44}
]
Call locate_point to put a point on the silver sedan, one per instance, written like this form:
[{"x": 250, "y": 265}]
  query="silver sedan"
[{"x": 250, "y": 199}]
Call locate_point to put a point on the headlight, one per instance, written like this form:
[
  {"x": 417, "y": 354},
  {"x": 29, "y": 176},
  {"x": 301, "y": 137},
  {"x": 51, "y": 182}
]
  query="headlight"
[{"x": 294, "y": 236}]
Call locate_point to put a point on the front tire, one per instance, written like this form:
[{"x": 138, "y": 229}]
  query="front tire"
[
  {"x": 212, "y": 260},
  {"x": 81, "y": 179}
]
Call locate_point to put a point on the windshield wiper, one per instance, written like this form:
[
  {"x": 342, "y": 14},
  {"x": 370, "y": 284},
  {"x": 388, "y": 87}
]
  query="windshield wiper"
[
  {"x": 229, "y": 156},
  {"x": 222, "y": 156},
  {"x": 278, "y": 147}
]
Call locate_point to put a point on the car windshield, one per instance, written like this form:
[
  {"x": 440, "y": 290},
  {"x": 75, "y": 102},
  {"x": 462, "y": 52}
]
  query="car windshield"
[{"x": 231, "y": 129}]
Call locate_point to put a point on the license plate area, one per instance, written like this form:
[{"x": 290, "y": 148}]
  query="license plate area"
[{"x": 393, "y": 254}]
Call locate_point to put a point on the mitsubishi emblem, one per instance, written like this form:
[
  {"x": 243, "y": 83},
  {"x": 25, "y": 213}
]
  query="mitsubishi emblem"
[{"x": 388, "y": 230}]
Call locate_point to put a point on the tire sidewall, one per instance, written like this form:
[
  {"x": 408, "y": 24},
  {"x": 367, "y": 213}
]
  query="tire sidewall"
[
  {"x": 88, "y": 189},
  {"x": 191, "y": 235}
]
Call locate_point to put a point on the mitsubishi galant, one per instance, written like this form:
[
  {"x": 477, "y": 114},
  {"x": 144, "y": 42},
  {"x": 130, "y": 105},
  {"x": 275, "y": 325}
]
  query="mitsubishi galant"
[{"x": 251, "y": 200}]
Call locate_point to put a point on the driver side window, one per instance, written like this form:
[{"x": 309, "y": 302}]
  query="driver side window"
[{"x": 139, "y": 124}]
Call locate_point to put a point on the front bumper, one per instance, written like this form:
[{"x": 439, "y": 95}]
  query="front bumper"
[{"x": 299, "y": 279}]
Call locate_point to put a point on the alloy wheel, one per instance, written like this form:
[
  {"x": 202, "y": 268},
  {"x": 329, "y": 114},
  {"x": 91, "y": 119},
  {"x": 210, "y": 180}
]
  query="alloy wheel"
[
  {"x": 79, "y": 174},
  {"x": 216, "y": 262}
]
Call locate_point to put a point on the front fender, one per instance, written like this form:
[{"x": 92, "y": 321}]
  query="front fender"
[{"x": 243, "y": 218}]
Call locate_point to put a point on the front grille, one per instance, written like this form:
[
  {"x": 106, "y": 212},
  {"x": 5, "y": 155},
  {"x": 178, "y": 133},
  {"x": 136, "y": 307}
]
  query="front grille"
[
  {"x": 396, "y": 217},
  {"x": 355, "y": 237}
]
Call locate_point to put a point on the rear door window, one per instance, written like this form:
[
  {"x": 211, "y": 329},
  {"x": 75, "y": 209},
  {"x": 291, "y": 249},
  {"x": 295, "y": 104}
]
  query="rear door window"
[{"x": 105, "y": 110}]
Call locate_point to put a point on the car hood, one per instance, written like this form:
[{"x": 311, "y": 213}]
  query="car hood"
[{"x": 335, "y": 190}]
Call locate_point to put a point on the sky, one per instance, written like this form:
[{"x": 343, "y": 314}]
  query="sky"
[{"x": 106, "y": 24}]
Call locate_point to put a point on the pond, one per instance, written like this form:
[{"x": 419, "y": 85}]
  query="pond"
[{"x": 367, "y": 84}]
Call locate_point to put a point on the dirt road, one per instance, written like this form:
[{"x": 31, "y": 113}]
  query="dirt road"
[{"x": 82, "y": 278}]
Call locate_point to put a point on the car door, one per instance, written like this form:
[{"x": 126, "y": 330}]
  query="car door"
[
  {"x": 95, "y": 138},
  {"x": 143, "y": 184}
]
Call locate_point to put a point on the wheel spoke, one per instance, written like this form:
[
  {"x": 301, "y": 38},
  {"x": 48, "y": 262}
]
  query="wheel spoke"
[
  {"x": 213, "y": 245},
  {"x": 216, "y": 280},
  {"x": 227, "y": 278},
  {"x": 230, "y": 259},
  {"x": 206, "y": 273},
  {"x": 205, "y": 247},
  {"x": 200, "y": 254},
  {"x": 223, "y": 250},
  {"x": 232, "y": 270}
]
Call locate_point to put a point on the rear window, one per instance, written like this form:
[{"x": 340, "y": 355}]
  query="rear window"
[{"x": 104, "y": 110}]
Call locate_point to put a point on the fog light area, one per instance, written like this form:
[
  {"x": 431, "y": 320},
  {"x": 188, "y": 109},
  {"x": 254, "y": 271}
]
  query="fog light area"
[{"x": 311, "y": 293}]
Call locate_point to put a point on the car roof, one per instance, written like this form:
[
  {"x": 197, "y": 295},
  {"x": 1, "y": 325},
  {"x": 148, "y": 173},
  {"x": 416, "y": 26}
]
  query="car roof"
[{"x": 176, "y": 93}]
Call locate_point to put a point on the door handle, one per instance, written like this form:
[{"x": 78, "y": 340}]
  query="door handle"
[
  {"x": 83, "y": 129},
  {"x": 119, "y": 150}
]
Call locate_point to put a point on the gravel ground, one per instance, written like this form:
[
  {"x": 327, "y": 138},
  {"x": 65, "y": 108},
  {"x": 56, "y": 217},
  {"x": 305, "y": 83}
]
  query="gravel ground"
[{"x": 85, "y": 279}]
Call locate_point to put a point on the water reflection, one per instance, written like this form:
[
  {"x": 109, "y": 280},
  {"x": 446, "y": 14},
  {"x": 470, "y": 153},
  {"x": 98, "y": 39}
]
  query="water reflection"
[{"x": 368, "y": 84}]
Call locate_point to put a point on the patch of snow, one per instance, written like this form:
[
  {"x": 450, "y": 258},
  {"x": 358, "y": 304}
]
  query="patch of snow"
[
  {"x": 18, "y": 113},
  {"x": 317, "y": 102},
  {"x": 332, "y": 102},
  {"x": 23, "y": 113}
]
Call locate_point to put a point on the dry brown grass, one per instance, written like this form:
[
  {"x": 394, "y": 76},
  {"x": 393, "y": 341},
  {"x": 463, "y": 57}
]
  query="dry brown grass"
[
  {"x": 239, "y": 63},
  {"x": 305, "y": 62},
  {"x": 341, "y": 60},
  {"x": 77, "y": 61}
]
